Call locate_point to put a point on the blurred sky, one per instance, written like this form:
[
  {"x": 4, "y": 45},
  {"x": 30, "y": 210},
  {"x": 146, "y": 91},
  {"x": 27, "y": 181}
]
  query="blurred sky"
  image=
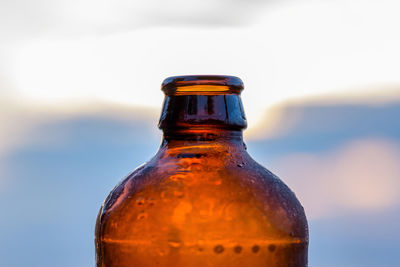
[{"x": 80, "y": 100}]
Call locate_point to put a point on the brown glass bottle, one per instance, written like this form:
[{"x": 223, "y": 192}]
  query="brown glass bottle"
[{"x": 201, "y": 200}]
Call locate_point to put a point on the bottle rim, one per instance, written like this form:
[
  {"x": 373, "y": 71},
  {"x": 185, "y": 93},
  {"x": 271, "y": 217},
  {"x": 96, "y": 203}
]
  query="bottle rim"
[{"x": 202, "y": 84}]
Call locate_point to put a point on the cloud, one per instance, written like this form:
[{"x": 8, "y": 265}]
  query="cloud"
[
  {"x": 49, "y": 127},
  {"x": 360, "y": 176},
  {"x": 290, "y": 49},
  {"x": 24, "y": 19},
  {"x": 338, "y": 156},
  {"x": 306, "y": 126}
]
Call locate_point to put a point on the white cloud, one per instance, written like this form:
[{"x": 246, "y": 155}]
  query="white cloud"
[
  {"x": 22, "y": 125},
  {"x": 26, "y": 19},
  {"x": 292, "y": 49},
  {"x": 362, "y": 176}
]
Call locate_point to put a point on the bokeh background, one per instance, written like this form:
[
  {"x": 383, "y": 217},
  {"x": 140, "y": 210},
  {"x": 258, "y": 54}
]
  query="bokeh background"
[{"x": 80, "y": 100}]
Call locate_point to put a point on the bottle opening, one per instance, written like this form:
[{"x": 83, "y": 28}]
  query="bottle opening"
[
  {"x": 202, "y": 102},
  {"x": 202, "y": 85}
]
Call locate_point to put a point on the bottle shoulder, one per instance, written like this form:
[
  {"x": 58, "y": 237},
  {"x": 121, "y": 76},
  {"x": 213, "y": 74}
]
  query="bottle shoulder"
[{"x": 229, "y": 187}]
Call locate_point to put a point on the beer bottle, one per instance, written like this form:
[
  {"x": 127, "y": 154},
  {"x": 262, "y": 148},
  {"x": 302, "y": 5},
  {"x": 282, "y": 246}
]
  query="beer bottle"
[{"x": 201, "y": 200}]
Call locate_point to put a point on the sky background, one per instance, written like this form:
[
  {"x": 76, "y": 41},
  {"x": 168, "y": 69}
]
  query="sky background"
[{"x": 80, "y": 100}]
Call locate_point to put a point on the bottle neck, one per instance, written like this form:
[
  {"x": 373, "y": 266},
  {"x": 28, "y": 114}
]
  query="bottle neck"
[
  {"x": 203, "y": 139},
  {"x": 203, "y": 113}
]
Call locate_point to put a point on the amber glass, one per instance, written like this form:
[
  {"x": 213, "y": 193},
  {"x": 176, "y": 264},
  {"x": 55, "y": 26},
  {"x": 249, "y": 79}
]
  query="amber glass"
[{"x": 201, "y": 200}]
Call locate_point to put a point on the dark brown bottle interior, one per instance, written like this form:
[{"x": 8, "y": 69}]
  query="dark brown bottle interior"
[{"x": 201, "y": 200}]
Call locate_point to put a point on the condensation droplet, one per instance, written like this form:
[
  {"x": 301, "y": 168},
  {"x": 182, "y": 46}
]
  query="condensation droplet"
[
  {"x": 195, "y": 167},
  {"x": 255, "y": 248},
  {"x": 199, "y": 246},
  {"x": 177, "y": 177},
  {"x": 219, "y": 249},
  {"x": 151, "y": 201},
  {"x": 178, "y": 194},
  {"x": 174, "y": 244},
  {"x": 271, "y": 248},
  {"x": 161, "y": 252},
  {"x": 218, "y": 182},
  {"x": 237, "y": 249},
  {"x": 140, "y": 201},
  {"x": 142, "y": 215},
  {"x": 184, "y": 165}
]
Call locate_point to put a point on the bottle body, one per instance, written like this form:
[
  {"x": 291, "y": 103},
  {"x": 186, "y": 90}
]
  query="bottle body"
[{"x": 201, "y": 201}]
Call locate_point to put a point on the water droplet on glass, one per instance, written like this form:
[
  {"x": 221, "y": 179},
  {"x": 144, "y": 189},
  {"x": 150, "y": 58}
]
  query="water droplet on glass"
[
  {"x": 174, "y": 244},
  {"x": 181, "y": 176},
  {"x": 218, "y": 182},
  {"x": 271, "y": 248},
  {"x": 184, "y": 165},
  {"x": 161, "y": 252},
  {"x": 219, "y": 249},
  {"x": 237, "y": 249},
  {"x": 179, "y": 194},
  {"x": 151, "y": 201},
  {"x": 200, "y": 244},
  {"x": 142, "y": 215},
  {"x": 195, "y": 167},
  {"x": 140, "y": 201},
  {"x": 255, "y": 248}
]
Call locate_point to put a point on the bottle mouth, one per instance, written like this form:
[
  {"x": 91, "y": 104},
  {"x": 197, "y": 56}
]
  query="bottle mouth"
[{"x": 202, "y": 85}]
